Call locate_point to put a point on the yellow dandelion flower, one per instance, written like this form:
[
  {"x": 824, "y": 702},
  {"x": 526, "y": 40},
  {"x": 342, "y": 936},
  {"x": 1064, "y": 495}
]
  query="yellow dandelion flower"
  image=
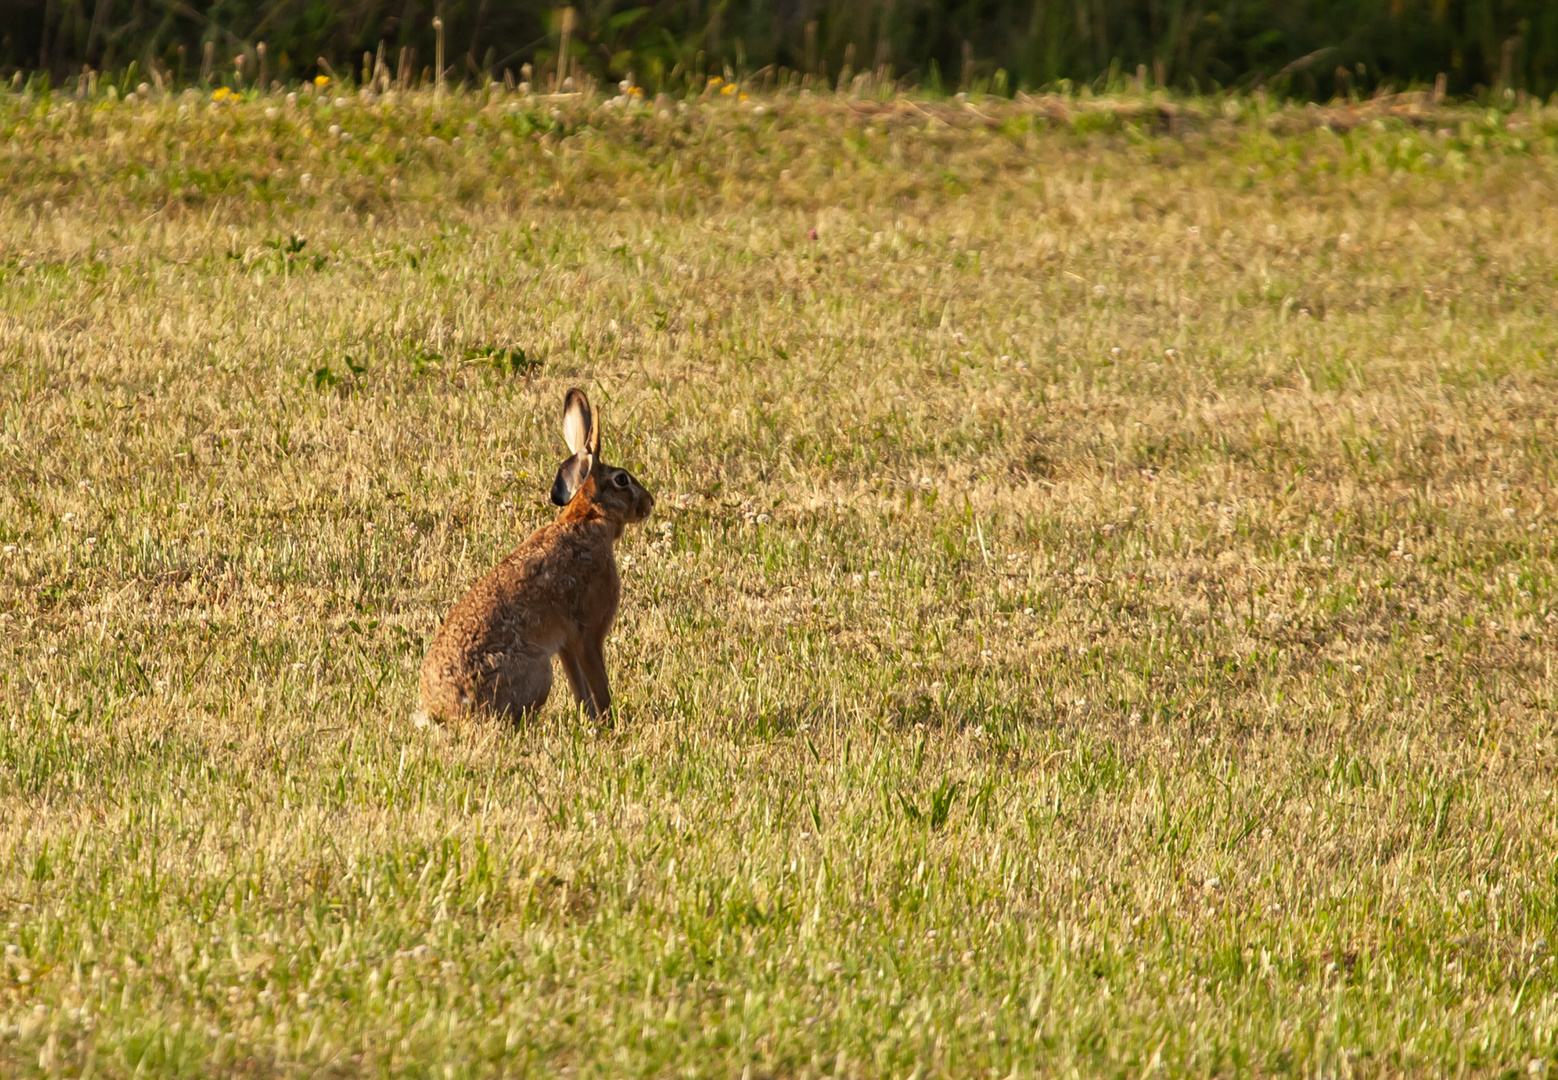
[
  {"x": 321, "y": 81},
  {"x": 715, "y": 80},
  {"x": 221, "y": 93},
  {"x": 728, "y": 90},
  {"x": 743, "y": 97}
]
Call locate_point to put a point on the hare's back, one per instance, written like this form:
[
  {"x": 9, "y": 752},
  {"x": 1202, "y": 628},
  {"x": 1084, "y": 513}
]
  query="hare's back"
[{"x": 511, "y": 605}]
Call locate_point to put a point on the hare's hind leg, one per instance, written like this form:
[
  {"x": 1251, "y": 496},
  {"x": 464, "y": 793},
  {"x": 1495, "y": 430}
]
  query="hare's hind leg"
[{"x": 522, "y": 687}]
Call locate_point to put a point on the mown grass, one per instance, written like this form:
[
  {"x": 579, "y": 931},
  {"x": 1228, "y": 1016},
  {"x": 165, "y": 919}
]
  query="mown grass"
[{"x": 1099, "y": 615}]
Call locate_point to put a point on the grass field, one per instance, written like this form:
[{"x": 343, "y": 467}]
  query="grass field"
[{"x": 1098, "y": 619}]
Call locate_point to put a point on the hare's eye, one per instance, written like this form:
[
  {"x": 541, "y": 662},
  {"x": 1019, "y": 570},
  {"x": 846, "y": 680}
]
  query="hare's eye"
[{"x": 623, "y": 480}]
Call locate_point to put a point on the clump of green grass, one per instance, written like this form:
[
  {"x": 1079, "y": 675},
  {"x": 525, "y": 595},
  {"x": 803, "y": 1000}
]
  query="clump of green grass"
[{"x": 1098, "y": 613}]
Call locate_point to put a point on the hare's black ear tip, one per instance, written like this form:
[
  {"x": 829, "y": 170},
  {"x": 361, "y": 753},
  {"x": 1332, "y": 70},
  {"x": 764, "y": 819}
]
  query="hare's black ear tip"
[
  {"x": 571, "y": 476},
  {"x": 573, "y": 396},
  {"x": 560, "y": 494}
]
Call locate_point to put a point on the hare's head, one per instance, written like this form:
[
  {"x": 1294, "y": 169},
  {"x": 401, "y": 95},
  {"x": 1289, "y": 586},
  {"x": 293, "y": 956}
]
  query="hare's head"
[{"x": 586, "y": 479}]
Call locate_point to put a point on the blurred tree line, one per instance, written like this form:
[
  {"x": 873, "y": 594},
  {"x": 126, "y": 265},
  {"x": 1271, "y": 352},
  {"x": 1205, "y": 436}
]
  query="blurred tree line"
[{"x": 1306, "y": 48}]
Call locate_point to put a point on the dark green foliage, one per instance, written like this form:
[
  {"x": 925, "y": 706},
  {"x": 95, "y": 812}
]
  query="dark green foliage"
[
  {"x": 942, "y": 798},
  {"x": 287, "y": 254},
  {"x": 1312, "y": 48},
  {"x": 504, "y": 361}
]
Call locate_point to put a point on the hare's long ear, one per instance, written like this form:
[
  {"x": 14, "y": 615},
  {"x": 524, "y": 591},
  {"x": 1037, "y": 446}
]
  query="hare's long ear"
[
  {"x": 571, "y": 476},
  {"x": 578, "y": 423},
  {"x": 582, "y": 430}
]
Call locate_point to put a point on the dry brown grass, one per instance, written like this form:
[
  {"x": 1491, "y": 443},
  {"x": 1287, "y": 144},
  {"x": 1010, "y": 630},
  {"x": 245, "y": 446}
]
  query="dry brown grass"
[{"x": 1099, "y": 615}]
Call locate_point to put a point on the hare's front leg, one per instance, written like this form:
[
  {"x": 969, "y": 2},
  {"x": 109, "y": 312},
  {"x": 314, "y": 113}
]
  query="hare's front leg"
[
  {"x": 576, "y": 683},
  {"x": 585, "y": 666}
]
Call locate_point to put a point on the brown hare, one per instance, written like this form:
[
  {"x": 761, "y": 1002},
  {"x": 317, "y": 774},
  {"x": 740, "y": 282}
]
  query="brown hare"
[{"x": 554, "y": 595}]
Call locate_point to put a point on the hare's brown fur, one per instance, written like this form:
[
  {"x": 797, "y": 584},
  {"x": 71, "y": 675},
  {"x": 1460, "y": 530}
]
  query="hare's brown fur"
[{"x": 555, "y": 594}]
